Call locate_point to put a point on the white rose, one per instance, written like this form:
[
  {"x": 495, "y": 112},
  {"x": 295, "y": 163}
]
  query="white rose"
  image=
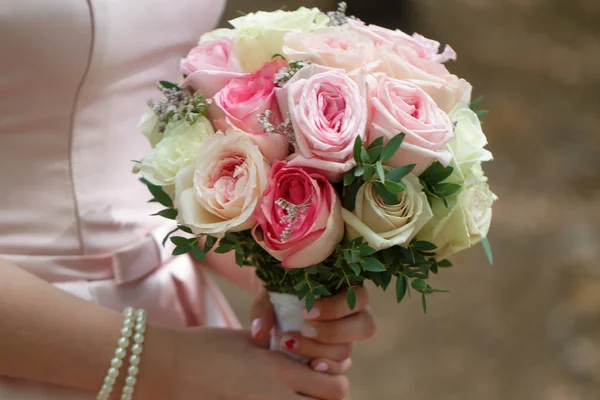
[
  {"x": 176, "y": 150},
  {"x": 382, "y": 225},
  {"x": 259, "y": 36},
  {"x": 468, "y": 219},
  {"x": 149, "y": 125},
  {"x": 469, "y": 140},
  {"x": 221, "y": 190}
]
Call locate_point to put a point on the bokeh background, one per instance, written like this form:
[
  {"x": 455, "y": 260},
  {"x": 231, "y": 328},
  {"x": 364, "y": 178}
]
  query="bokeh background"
[{"x": 528, "y": 327}]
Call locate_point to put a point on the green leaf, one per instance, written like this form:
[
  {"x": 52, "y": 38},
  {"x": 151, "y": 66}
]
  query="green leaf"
[
  {"x": 488, "y": 250},
  {"x": 321, "y": 290},
  {"x": 364, "y": 156},
  {"x": 351, "y": 298},
  {"x": 198, "y": 254},
  {"x": 394, "y": 187},
  {"x": 375, "y": 148},
  {"x": 359, "y": 171},
  {"x": 224, "y": 248},
  {"x": 181, "y": 250},
  {"x": 366, "y": 250},
  {"x": 424, "y": 302},
  {"x": 349, "y": 198},
  {"x": 419, "y": 285},
  {"x": 180, "y": 241},
  {"x": 169, "y": 85},
  {"x": 401, "y": 284},
  {"x": 358, "y": 145},
  {"x": 184, "y": 228},
  {"x": 349, "y": 177},
  {"x": 436, "y": 173},
  {"x": 380, "y": 171},
  {"x": 372, "y": 264},
  {"x": 397, "y": 174},
  {"x": 446, "y": 189},
  {"x": 209, "y": 243},
  {"x": 476, "y": 103},
  {"x": 391, "y": 147},
  {"x": 164, "y": 242},
  {"x": 386, "y": 278},
  {"x": 239, "y": 258},
  {"x": 169, "y": 213},
  {"x": 369, "y": 171},
  {"x": 445, "y": 263},
  {"x": 300, "y": 285},
  {"x": 481, "y": 113},
  {"x": 388, "y": 197},
  {"x": 355, "y": 268},
  {"x": 159, "y": 194},
  {"x": 310, "y": 301},
  {"x": 422, "y": 245}
]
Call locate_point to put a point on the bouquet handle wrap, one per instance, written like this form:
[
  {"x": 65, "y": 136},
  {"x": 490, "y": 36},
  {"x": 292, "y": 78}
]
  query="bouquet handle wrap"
[{"x": 288, "y": 318}]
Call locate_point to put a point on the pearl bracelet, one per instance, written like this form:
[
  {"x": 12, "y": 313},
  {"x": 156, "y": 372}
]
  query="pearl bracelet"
[
  {"x": 136, "y": 351},
  {"x": 117, "y": 361}
]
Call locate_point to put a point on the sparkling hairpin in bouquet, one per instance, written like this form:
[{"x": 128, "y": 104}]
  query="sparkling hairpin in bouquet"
[{"x": 324, "y": 152}]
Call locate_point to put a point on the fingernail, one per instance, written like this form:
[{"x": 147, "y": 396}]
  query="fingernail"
[
  {"x": 321, "y": 366},
  {"x": 308, "y": 331},
  {"x": 289, "y": 342},
  {"x": 344, "y": 365},
  {"x": 312, "y": 314},
  {"x": 257, "y": 325}
]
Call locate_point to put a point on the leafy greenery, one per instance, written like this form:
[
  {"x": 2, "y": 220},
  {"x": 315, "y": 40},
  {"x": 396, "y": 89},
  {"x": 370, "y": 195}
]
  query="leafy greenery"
[
  {"x": 487, "y": 247},
  {"x": 475, "y": 107},
  {"x": 433, "y": 185}
]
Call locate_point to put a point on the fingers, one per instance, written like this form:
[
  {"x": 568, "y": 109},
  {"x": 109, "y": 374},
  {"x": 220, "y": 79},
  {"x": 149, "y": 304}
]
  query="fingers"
[
  {"x": 356, "y": 327},
  {"x": 295, "y": 343},
  {"x": 330, "y": 366},
  {"x": 262, "y": 316},
  {"x": 336, "y": 307},
  {"x": 306, "y": 381}
]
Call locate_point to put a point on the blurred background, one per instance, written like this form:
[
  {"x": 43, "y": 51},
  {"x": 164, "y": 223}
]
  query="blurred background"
[{"x": 528, "y": 327}]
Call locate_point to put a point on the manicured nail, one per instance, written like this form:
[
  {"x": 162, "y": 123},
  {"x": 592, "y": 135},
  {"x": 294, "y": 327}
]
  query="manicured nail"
[
  {"x": 312, "y": 314},
  {"x": 308, "y": 331},
  {"x": 344, "y": 365},
  {"x": 289, "y": 342},
  {"x": 321, "y": 366},
  {"x": 257, "y": 325}
]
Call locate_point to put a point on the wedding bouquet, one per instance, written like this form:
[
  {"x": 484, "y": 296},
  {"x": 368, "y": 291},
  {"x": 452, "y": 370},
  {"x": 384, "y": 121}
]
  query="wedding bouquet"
[{"x": 324, "y": 152}]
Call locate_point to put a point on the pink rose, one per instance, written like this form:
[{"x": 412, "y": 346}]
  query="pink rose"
[
  {"x": 328, "y": 112},
  {"x": 331, "y": 47},
  {"x": 244, "y": 98},
  {"x": 215, "y": 55},
  {"x": 300, "y": 217},
  {"x": 210, "y": 66},
  {"x": 403, "y": 107},
  {"x": 221, "y": 190}
]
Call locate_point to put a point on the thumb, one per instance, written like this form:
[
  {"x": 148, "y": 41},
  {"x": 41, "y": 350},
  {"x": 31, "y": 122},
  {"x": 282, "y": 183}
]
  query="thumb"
[{"x": 262, "y": 316}]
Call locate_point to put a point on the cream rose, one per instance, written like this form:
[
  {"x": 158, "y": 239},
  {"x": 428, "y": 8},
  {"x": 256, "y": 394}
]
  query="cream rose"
[
  {"x": 259, "y": 35},
  {"x": 383, "y": 225},
  {"x": 175, "y": 151},
  {"x": 220, "y": 192},
  {"x": 468, "y": 219},
  {"x": 149, "y": 125},
  {"x": 469, "y": 140}
]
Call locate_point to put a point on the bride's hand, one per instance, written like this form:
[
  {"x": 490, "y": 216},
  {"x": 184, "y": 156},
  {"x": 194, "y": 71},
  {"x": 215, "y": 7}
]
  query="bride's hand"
[
  {"x": 328, "y": 333},
  {"x": 225, "y": 364}
]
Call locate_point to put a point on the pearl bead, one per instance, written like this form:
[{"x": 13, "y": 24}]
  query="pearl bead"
[
  {"x": 138, "y": 338},
  {"x": 134, "y": 360},
  {"x": 123, "y": 342},
  {"x": 109, "y": 380},
  {"x": 128, "y": 390},
  {"x": 113, "y": 372},
  {"x": 107, "y": 388},
  {"x": 126, "y": 332},
  {"x": 125, "y": 396},
  {"x": 133, "y": 370},
  {"x": 131, "y": 381},
  {"x": 140, "y": 318},
  {"x": 116, "y": 362},
  {"x": 137, "y": 349},
  {"x": 140, "y": 328},
  {"x": 128, "y": 311},
  {"x": 120, "y": 353},
  {"x": 129, "y": 322}
]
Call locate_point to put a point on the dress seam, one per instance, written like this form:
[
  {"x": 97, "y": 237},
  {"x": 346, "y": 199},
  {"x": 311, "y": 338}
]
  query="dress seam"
[{"x": 76, "y": 210}]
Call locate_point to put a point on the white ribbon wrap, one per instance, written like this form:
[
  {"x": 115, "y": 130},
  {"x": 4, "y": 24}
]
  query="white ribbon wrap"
[{"x": 288, "y": 314}]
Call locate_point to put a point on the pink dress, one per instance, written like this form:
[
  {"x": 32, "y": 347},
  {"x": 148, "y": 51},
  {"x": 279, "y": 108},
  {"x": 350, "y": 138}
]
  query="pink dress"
[{"x": 75, "y": 76}]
